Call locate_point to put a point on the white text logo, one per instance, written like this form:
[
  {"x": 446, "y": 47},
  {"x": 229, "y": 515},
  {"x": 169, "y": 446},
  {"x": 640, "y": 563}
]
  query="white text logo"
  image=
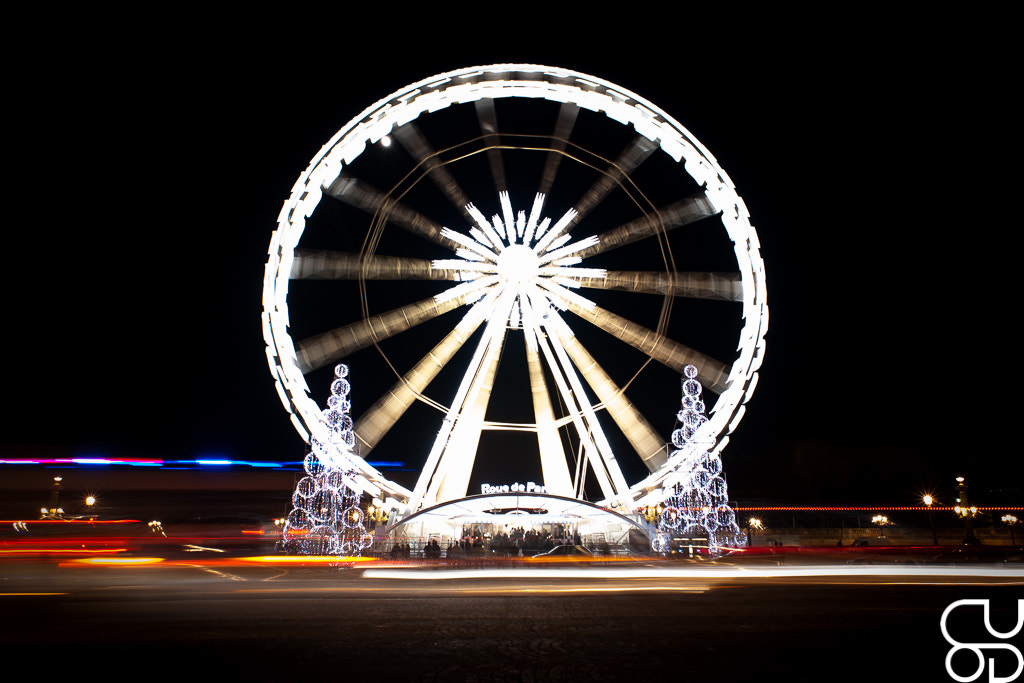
[{"x": 979, "y": 648}]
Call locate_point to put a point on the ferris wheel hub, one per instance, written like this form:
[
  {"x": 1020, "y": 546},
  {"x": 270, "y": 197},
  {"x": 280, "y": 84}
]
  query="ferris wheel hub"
[{"x": 518, "y": 264}]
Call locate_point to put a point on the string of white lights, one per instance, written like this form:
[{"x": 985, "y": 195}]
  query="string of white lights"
[
  {"x": 326, "y": 518},
  {"x": 695, "y": 492}
]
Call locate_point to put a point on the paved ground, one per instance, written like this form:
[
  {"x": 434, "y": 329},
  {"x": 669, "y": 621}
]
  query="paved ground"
[{"x": 277, "y": 623}]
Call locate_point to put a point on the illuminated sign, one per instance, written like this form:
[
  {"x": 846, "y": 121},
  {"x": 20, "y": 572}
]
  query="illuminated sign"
[{"x": 529, "y": 487}]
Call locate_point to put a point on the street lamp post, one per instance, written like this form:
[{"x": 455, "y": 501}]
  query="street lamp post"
[
  {"x": 54, "y": 510},
  {"x": 753, "y": 523},
  {"x": 1010, "y": 520},
  {"x": 964, "y": 510},
  {"x": 928, "y": 500}
]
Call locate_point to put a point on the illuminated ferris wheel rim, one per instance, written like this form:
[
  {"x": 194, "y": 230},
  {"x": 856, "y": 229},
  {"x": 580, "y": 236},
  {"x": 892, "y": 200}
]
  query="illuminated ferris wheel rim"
[{"x": 510, "y": 81}]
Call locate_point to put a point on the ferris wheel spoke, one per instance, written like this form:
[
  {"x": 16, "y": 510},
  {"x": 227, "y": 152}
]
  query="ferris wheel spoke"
[
  {"x": 678, "y": 214},
  {"x": 634, "y": 155},
  {"x": 567, "y": 114},
  {"x": 647, "y": 443},
  {"x": 721, "y": 286},
  {"x": 417, "y": 146},
  {"x": 489, "y": 127},
  {"x": 316, "y": 352},
  {"x": 713, "y": 374},
  {"x": 311, "y": 264},
  {"x": 371, "y": 427},
  {"x": 362, "y": 195}
]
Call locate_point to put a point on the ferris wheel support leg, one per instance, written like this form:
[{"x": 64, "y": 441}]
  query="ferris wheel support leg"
[
  {"x": 552, "y": 457},
  {"x": 456, "y": 465},
  {"x": 602, "y": 457},
  {"x": 432, "y": 469},
  {"x": 575, "y": 405},
  {"x": 579, "y": 481},
  {"x": 585, "y": 435},
  {"x": 637, "y": 430},
  {"x": 416, "y": 500},
  {"x": 546, "y": 342}
]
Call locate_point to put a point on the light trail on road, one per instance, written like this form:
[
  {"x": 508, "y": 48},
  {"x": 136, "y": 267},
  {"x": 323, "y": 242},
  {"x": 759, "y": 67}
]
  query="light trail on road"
[{"x": 1011, "y": 575}]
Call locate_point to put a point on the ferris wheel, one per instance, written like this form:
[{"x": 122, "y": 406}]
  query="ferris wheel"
[{"x": 516, "y": 231}]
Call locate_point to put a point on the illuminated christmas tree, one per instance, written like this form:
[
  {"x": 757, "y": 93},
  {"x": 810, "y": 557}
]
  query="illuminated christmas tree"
[
  {"x": 695, "y": 492},
  {"x": 326, "y": 518}
]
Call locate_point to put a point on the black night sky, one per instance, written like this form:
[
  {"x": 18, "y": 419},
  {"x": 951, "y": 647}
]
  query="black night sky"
[{"x": 878, "y": 166}]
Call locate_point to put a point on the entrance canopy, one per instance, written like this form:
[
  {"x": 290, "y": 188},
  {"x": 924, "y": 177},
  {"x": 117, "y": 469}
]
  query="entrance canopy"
[{"x": 508, "y": 510}]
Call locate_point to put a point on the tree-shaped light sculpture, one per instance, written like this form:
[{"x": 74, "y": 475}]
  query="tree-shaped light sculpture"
[
  {"x": 326, "y": 518},
  {"x": 695, "y": 491}
]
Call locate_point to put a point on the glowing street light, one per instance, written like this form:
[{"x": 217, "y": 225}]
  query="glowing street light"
[
  {"x": 881, "y": 521},
  {"x": 928, "y": 500},
  {"x": 90, "y": 501},
  {"x": 966, "y": 511},
  {"x": 1010, "y": 520},
  {"x": 54, "y": 510},
  {"x": 753, "y": 524}
]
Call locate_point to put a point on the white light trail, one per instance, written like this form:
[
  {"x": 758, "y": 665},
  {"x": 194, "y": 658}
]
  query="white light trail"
[{"x": 929, "y": 574}]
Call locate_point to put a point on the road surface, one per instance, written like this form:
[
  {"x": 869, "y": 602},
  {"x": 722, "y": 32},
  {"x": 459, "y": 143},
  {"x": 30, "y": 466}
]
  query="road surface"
[{"x": 269, "y": 622}]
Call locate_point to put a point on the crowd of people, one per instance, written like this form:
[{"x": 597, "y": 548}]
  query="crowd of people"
[
  {"x": 515, "y": 542},
  {"x": 520, "y": 541}
]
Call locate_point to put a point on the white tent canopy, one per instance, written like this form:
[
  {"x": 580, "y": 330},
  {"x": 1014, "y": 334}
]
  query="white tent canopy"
[{"x": 513, "y": 509}]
